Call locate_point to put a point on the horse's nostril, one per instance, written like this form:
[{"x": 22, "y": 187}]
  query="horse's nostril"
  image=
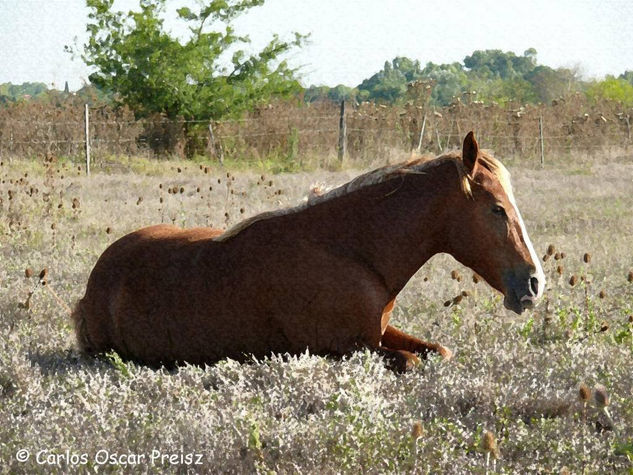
[{"x": 534, "y": 285}]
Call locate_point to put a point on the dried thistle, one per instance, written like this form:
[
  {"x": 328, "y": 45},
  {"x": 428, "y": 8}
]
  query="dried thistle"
[
  {"x": 489, "y": 446},
  {"x": 601, "y": 396},
  {"x": 584, "y": 393},
  {"x": 417, "y": 431}
]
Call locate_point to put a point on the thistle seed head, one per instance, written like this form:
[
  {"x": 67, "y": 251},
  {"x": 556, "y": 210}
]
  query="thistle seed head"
[
  {"x": 489, "y": 444},
  {"x": 416, "y": 430},
  {"x": 601, "y": 396},
  {"x": 584, "y": 393}
]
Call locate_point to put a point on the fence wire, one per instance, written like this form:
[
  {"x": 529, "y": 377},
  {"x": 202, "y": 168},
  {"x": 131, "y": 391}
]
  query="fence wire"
[{"x": 296, "y": 132}]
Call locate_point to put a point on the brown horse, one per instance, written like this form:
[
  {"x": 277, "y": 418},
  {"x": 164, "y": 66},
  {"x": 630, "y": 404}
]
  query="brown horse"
[{"x": 322, "y": 276}]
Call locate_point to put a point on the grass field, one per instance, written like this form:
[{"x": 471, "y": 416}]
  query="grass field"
[{"x": 517, "y": 377}]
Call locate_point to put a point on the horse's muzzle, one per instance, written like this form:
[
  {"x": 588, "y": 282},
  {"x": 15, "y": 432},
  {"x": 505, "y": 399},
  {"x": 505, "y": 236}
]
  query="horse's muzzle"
[{"x": 523, "y": 292}]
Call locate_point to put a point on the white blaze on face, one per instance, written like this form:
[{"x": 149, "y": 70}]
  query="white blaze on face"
[{"x": 537, "y": 263}]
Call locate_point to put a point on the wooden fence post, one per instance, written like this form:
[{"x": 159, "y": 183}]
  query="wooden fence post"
[
  {"x": 540, "y": 133},
  {"x": 216, "y": 148},
  {"x": 87, "y": 137},
  {"x": 422, "y": 133},
  {"x": 342, "y": 133}
]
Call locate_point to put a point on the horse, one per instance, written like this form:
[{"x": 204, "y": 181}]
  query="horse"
[{"x": 322, "y": 276}]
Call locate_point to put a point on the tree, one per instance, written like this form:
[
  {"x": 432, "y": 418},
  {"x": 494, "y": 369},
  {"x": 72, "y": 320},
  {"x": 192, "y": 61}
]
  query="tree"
[
  {"x": 627, "y": 76},
  {"x": 150, "y": 70},
  {"x": 336, "y": 94},
  {"x": 494, "y": 63},
  {"x": 612, "y": 89},
  {"x": 551, "y": 83},
  {"x": 390, "y": 84},
  {"x": 450, "y": 81}
]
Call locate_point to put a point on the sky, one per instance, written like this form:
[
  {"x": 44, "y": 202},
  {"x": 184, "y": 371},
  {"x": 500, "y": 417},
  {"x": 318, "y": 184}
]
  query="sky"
[{"x": 351, "y": 40}]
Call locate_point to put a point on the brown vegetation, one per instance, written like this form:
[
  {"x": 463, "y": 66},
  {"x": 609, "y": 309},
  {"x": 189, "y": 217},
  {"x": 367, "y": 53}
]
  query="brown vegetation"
[{"x": 297, "y": 132}]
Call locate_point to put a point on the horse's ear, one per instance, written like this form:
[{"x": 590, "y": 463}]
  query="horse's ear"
[{"x": 470, "y": 152}]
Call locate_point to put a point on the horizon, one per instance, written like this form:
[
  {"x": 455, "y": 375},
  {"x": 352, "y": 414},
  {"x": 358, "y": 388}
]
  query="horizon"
[{"x": 345, "y": 47}]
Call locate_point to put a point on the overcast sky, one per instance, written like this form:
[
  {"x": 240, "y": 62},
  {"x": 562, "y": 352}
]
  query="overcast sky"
[{"x": 351, "y": 39}]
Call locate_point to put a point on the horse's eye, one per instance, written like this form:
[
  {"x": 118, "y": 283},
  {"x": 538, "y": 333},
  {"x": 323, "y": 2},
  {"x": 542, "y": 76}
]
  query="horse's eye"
[{"x": 498, "y": 210}]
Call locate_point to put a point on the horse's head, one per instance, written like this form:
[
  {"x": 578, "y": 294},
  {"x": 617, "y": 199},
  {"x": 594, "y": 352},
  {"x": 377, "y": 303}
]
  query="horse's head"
[{"x": 490, "y": 236}]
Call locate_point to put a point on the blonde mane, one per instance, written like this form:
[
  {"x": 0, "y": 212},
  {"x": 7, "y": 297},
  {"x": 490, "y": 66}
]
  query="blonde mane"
[{"x": 383, "y": 174}]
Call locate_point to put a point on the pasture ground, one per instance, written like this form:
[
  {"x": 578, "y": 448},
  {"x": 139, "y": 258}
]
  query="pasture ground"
[{"x": 517, "y": 377}]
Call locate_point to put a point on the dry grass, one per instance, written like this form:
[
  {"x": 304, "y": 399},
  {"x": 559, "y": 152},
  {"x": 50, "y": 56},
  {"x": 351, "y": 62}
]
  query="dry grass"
[{"x": 519, "y": 378}]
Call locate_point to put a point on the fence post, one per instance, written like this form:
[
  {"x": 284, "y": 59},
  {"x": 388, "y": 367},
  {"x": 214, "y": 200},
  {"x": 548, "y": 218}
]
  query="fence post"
[
  {"x": 87, "y": 137},
  {"x": 540, "y": 133},
  {"x": 437, "y": 136},
  {"x": 342, "y": 133},
  {"x": 216, "y": 148},
  {"x": 422, "y": 133}
]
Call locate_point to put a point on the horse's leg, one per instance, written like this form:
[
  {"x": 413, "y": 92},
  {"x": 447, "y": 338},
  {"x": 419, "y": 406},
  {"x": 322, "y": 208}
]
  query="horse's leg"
[
  {"x": 394, "y": 339},
  {"x": 400, "y": 361}
]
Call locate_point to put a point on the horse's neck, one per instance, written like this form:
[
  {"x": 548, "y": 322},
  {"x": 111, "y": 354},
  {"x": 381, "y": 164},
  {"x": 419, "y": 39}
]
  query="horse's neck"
[{"x": 393, "y": 227}]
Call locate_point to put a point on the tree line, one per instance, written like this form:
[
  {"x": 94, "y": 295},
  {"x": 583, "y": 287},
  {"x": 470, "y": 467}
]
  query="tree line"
[
  {"x": 489, "y": 76},
  {"x": 206, "y": 74}
]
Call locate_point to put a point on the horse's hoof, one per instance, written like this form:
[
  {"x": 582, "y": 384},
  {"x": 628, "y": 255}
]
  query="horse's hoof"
[{"x": 444, "y": 352}]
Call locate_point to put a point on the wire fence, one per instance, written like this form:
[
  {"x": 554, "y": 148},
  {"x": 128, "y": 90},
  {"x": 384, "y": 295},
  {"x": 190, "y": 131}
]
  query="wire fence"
[{"x": 297, "y": 132}]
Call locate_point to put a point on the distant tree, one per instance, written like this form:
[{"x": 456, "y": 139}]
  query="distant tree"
[
  {"x": 495, "y": 63},
  {"x": 14, "y": 92},
  {"x": 627, "y": 76},
  {"x": 152, "y": 71},
  {"x": 450, "y": 81},
  {"x": 335, "y": 94},
  {"x": 611, "y": 88},
  {"x": 316, "y": 93},
  {"x": 390, "y": 84},
  {"x": 550, "y": 84}
]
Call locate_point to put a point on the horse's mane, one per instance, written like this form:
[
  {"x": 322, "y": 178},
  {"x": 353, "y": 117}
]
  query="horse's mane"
[{"x": 380, "y": 175}]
